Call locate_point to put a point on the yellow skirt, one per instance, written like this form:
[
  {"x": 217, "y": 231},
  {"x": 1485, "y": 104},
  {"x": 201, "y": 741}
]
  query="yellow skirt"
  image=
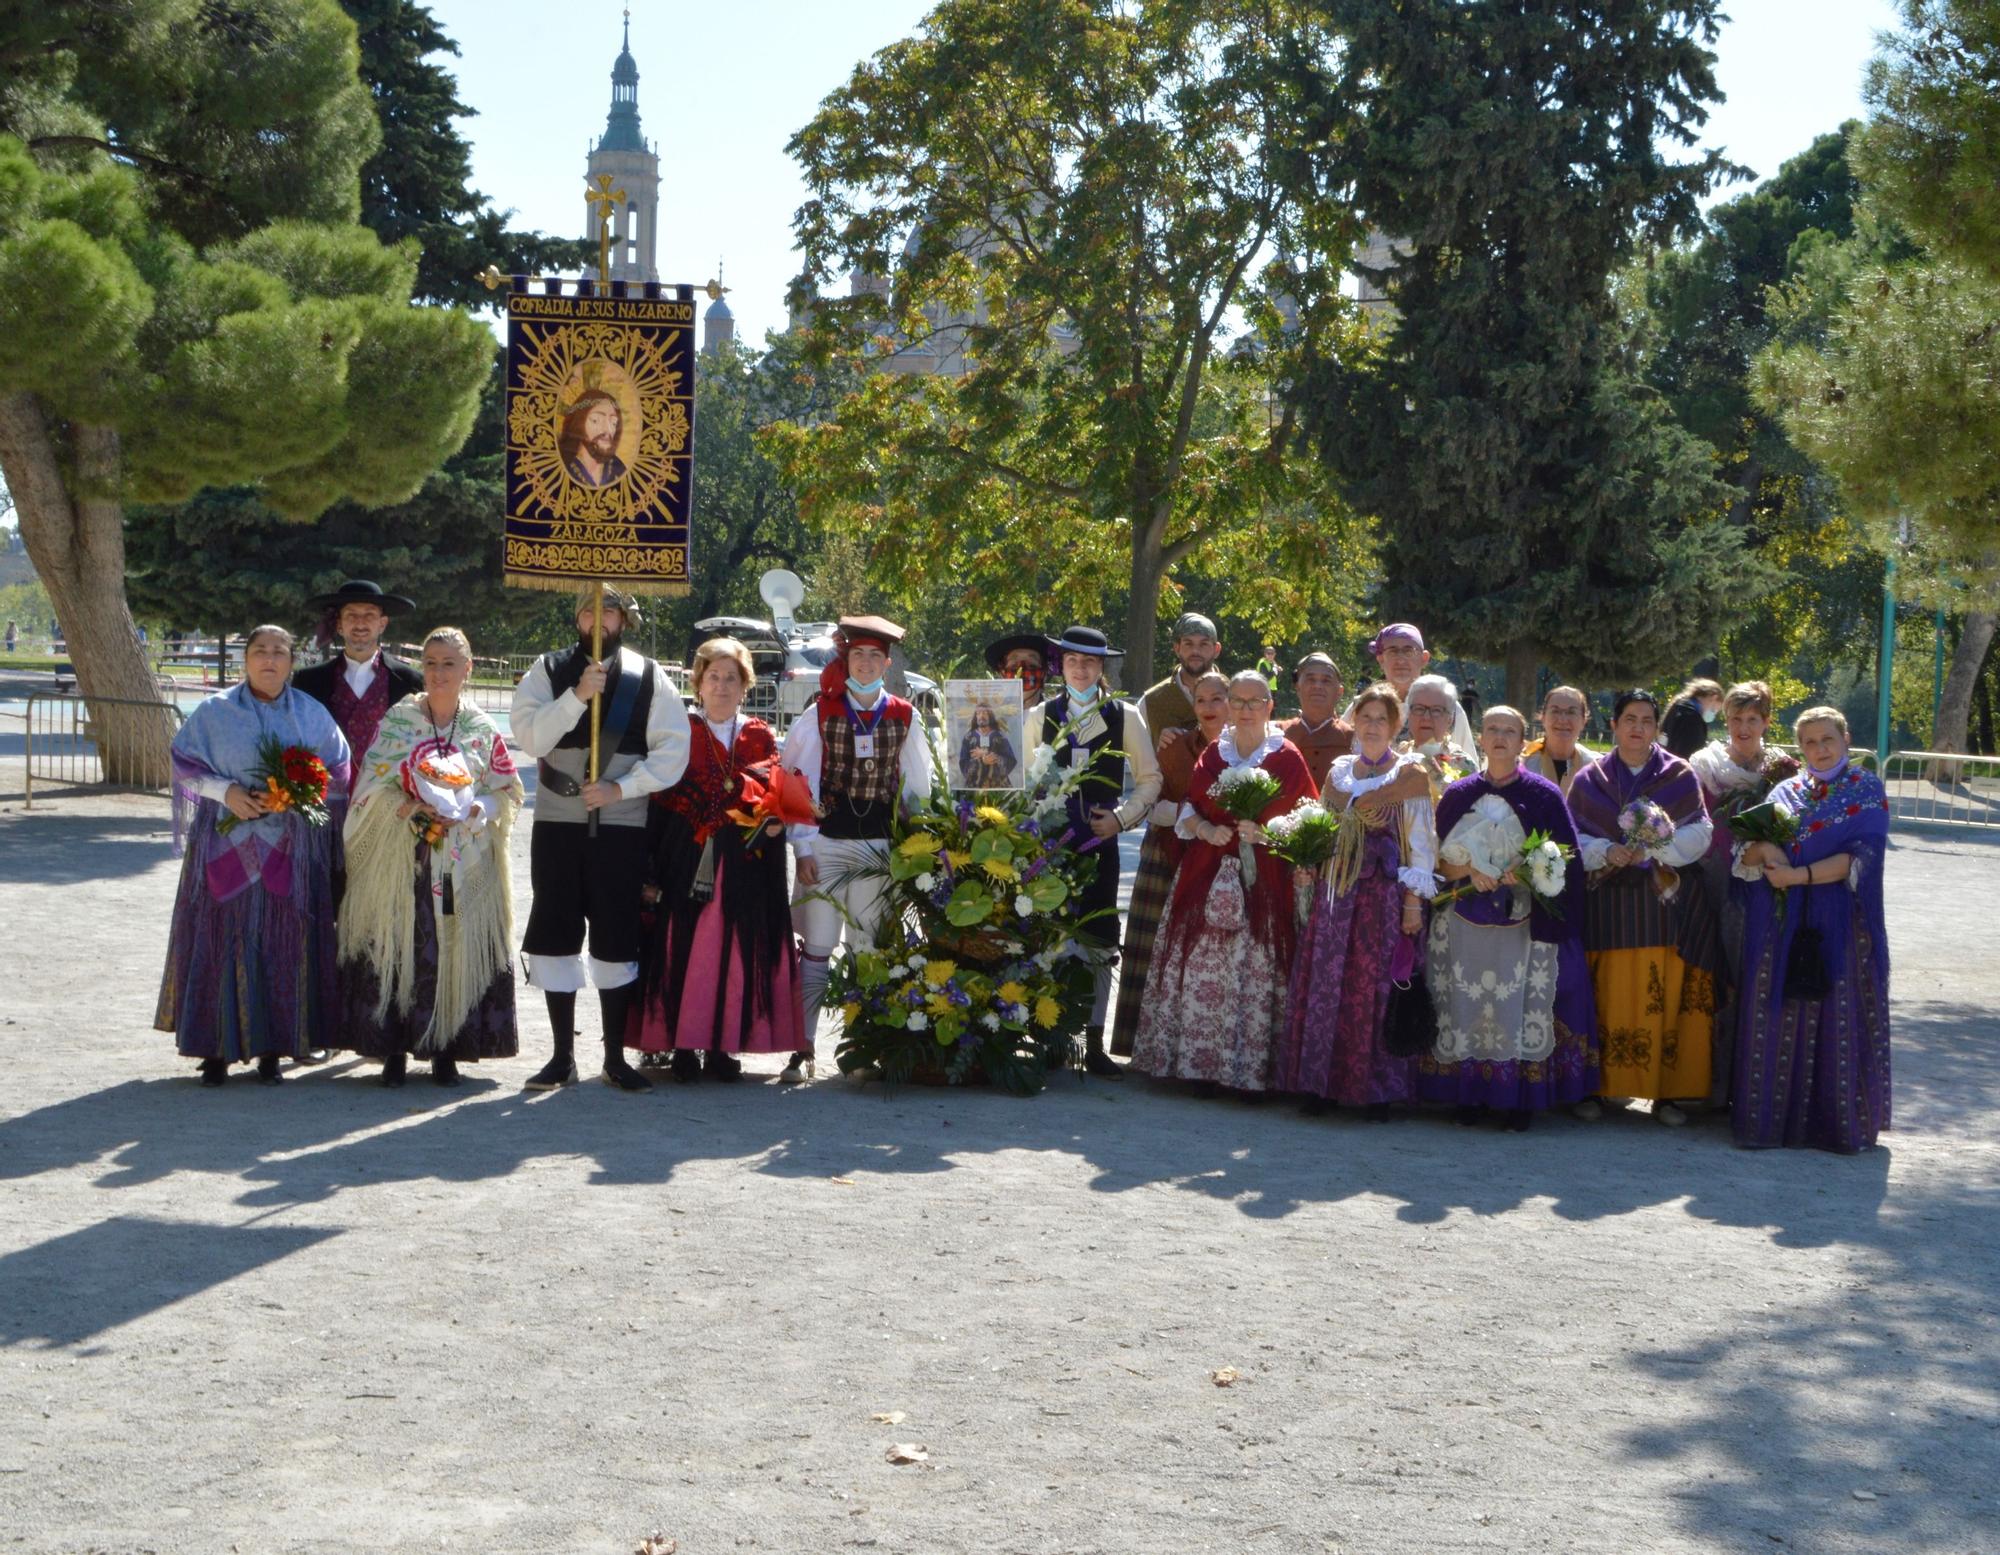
[{"x": 1655, "y": 1021}]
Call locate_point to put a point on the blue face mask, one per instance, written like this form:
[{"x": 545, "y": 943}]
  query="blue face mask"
[
  {"x": 1084, "y": 696},
  {"x": 865, "y": 691},
  {"x": 1710, "y": 714}
]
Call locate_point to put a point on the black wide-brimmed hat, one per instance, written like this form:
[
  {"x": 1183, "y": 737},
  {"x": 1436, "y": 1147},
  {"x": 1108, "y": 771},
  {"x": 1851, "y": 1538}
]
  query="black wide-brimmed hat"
[
  {"x": 1085, "y": 639},
  {"x": 359, "y": 591},
  {"x": 997, "y": 651}
]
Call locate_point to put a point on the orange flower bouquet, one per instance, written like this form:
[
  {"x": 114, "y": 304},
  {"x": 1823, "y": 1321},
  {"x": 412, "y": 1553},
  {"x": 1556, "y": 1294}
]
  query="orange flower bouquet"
[
  {"x": 773, "y": 795},
  {"x": 290, "y": 780}
]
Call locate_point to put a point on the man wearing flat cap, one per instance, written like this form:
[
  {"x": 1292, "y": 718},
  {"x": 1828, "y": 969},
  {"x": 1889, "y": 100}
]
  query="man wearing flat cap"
[
  {"x": 1168, "y": 712},
  {"x": 1087, "y": 728},
  {"x": 862, "y": 754},
  {"x": 585, "y": 878},
  {"x": 364, "y": 682},
  {"x": 1399, "y": 650},
  {"x": 1319, "y": 731}
]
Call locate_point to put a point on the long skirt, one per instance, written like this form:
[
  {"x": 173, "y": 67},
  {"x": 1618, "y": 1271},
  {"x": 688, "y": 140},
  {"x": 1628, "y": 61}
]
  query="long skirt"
[
  {"x": 1813, "y": 1072},
  {"x": 721, "y": 974},
  {"x": 488, "y": 1032},
  {"x": 1655, "y": 1022},
  {"x": 1152, "y": 885},
  {"x": 1514, "y": 1019},
  {"x": 1725, "y": 894},
  {"x": 1215, "y": 1012},
  {"x": 1332, "y": 1046},
  {"x": 253, "y": 975}
]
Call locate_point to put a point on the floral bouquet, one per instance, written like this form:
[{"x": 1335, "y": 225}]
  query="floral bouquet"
[
  {"x": 979, "y": 973},
  {"x": 1646, "y": 828},
  {"x": 294, "y": 781},
  {"x": 771, "y": 794},
  {"x": 1304, "y": 837},
  {"x": 1245, "y": 792},
  {"x": 1766, "y": 822},
  {"x": 1532, "y": 860},
  {"x": 442, "y": 780}
]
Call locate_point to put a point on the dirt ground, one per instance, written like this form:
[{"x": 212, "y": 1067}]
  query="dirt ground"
[{"x": 332, "y": 1317}]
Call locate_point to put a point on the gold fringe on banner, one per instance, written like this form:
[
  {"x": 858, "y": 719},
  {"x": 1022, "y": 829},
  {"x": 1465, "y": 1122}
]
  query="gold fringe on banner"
[{"x": 645, "y": 588}]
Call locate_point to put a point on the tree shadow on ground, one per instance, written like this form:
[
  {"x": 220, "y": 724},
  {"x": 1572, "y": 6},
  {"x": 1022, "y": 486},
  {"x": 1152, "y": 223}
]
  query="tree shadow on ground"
[
  {"x": 73, "y": 850},
  {"x": 70, "y": 1288}
]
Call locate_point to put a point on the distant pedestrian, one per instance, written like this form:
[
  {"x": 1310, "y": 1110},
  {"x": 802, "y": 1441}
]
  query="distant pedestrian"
[{"x": 13, "y": 636}]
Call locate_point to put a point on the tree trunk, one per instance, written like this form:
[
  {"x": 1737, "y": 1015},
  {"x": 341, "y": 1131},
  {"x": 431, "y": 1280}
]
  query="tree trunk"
[
  {"x": 1524, "y": 668},
  {"x": 1955, "y": 711},
  {"x": 76, "y": 539},
  {"x": 1143, "y": 615}
]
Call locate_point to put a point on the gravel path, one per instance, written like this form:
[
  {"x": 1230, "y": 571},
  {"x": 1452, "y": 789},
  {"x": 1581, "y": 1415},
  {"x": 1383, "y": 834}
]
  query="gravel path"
[{"x": 335, "y": 1318}]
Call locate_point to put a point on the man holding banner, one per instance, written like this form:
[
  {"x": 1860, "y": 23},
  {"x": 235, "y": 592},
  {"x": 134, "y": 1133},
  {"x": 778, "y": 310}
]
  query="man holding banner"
[{"x": 587, "y": 854}]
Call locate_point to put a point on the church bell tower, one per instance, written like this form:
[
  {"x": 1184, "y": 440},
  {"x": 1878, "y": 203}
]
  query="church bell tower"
[{"x": 634, "y": 167}]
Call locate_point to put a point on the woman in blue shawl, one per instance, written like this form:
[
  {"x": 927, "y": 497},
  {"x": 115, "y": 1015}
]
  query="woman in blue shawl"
[
  {"x": 1812, "y": 1035},
  {"x": 250, "y": 963}
]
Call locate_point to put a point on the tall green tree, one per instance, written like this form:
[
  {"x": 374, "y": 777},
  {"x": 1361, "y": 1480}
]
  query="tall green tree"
[
  {"x": 1066, "y": 202},
  {"x": 227, "y": 557},
  {"x": 1538, "y": 503},
  {"x": 186, "y": 298},
  {"x": 1900, "y": 395}
]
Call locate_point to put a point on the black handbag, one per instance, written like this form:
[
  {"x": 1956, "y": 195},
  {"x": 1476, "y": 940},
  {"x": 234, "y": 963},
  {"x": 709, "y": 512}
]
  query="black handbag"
[
  {"x": 1410, "y": 1027},
  {"x": 1806, "y": 976}
]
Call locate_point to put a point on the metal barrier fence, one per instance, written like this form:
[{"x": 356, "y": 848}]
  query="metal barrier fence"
[
  {"x": 1938, "y": 788},
  {"x": 63, "y": 741}
]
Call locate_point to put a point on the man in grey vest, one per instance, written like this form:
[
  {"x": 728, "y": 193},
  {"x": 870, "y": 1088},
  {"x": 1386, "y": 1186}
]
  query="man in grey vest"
[{"x": 584, "y": 878}]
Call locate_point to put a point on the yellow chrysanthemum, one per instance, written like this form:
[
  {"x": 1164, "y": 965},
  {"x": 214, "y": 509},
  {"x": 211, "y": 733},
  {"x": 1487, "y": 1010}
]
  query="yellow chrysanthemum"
[
  {"x": 850, "y": 1012},
  {"x": 1000, "y": 869},
  {"x": 992, "y": 815},
  {"x": 938, "y": 973},
  {"x": 1047, "y": 1012},
  {"x": 917, "y": 844},
  {"x": 1011, "y": 993},
  {"x": 958, "y": 859},
  {"x": 938, "y": 1004}
]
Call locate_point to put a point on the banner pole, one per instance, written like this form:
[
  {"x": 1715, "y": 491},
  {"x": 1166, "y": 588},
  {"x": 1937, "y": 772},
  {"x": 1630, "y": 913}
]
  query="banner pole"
[{"x": 596, "y": 702}]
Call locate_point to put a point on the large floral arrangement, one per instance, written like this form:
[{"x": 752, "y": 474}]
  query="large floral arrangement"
[{"x": 979, "y": 974}]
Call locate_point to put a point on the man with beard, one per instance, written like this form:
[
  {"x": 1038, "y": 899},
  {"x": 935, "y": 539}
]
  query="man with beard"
[
  {"x": 1168, "y": 712},
  {"x": 1319, "y": 731},
  {"x": 359, "y": 685},
  {"x": 1088, "y": 729},
  {"x": 364, "y": 682},
  {"x": 585, "y": 877},
  {"x": 589, "y": 439}
]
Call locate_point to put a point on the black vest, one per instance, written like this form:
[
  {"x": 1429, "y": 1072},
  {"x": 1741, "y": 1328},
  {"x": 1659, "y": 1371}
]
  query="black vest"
[
  {"x": 1105, "y": 782},
  {"x": 565, "y": 668}
]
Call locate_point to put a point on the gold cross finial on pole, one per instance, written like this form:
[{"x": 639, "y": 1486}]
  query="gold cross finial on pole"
[{"x": 599, "y": 193}]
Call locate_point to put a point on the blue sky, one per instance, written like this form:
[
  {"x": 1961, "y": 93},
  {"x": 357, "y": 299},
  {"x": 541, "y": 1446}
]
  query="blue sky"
[{"x": 722, "y": 88}]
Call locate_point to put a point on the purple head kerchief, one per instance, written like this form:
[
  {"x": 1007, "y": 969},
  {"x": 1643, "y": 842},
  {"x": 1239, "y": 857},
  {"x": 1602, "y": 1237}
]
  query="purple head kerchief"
[{"x": 1395, "y": 631}]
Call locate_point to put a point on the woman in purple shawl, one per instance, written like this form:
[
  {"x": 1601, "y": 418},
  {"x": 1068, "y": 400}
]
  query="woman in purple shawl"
[
  {"x": 250, "y": 962},
  {"x": 1648, "y": 928},
  {"x": 1517, "y": 1024},
  {"x": 1812, "y": 1058}
]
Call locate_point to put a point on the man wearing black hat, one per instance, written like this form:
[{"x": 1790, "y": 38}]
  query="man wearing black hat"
[
  {"x": 1087, "y": 728},
  {"x": 1168, "y": 709},
  {"x": 585, "y": 878},
  {"x": 862, "y": 754},
  {"x": 1022, "y": 656},
  {"x": 360, "y": 686}
]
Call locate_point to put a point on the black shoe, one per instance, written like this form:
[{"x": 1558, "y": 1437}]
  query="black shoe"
[
  {"x": 395, "y": 1070},
  {"x": 444, "y": 1070},
  {"x": 1095, "y": 1060},
  {"x": 556, "y": 1073},
  {"x": 214, "y": 1071},
  {"x": 723, "y": 1068},
  {"x": 1207, "y": 1090},
  {"x": 1317, "y": 1106},
  {"x": 686, "y": 1067},
  {"x": 1518, "y": 1120},
  {"x": 1376, "y": 1112},
  {"x": 1468, "y": 1117},
  {"x": 267, "y": 1070},
  {"x": 617, "y": 1072}
]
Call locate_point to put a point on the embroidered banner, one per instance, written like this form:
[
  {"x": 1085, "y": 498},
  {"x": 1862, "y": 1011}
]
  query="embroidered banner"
[{"x": 600, "y": 440}]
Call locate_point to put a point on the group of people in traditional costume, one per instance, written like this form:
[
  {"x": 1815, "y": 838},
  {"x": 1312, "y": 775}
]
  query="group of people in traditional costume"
[{"x": 1666, "y": 960}]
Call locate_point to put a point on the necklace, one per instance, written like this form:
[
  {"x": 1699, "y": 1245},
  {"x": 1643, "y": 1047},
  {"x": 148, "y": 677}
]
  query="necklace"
[{"x": 438, "y": 735}]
